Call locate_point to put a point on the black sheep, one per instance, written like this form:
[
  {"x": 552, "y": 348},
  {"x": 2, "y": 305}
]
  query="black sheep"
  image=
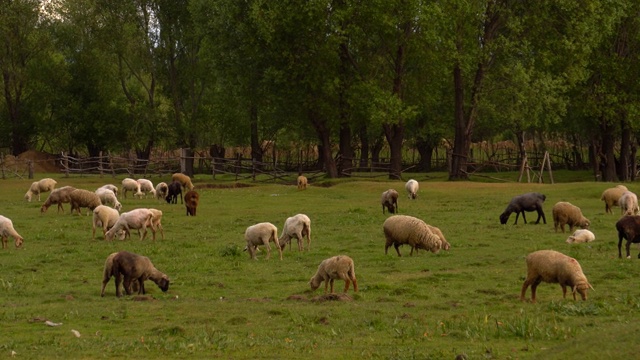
[
  {"x": 628, "y": 228},
  {"x": 175, "y": 189},
  {"x": 525, "y": 202}
]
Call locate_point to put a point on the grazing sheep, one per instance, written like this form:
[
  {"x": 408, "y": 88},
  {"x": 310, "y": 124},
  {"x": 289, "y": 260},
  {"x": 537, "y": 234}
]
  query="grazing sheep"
[
  {"x": 526, "y": 202},
  {"x": 439, "y": 234},
  {"x": 156, "y": 222},
  {"x": 6, "y": 230},
  {"x": 58, "y": 196},
  {"x": 553, "y": 267},
  {"x": 628, "y": 228},
  {"x": 162, "y": 190},
  {"x": 191, "y": 200},
  {"x": 260, "y": 234},
  {"x": 390, "y": 201},
  {"x": 412, "y": 187},
  {"x": 108, "y": 266},
  {"x": 581, "y": 236},
  {"x": 138, "y": 219},
  {"x": 80, "y": 198},
  {"x": 129, "y": 184},
  {"x": 611, "y": 197},
  {"x": 403, "y": 229},
  {"x": 40, "y": 186},
  {"x": 183, "y": 179},
  {"x": 302, "y": 182},
  {"x": 132, "y": 267},
  {"x": 175, "y": 189},
  {"x": 109, "y": 187},
  {"x": 146, "y": 187},
  {"x": 337, "y": 267},
  {"x": 565, "y": 213},
  {"x": 107, "y": 196},
  {"x": 629, "y": 203},
  {"x": 299, "y": 227},
  {"x": 105, "y": 217}
]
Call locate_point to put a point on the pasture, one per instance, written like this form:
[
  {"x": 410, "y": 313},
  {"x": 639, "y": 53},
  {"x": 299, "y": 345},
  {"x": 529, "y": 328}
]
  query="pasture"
[{"x": 220, "y": 304}]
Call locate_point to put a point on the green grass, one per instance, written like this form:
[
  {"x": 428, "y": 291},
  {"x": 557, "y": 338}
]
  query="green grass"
[{"x": 221, "y": 304}]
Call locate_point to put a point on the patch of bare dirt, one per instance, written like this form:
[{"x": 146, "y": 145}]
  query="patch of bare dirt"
[
  {"x": 332, "y": 297},
  {"x": 42, "y": 162}
]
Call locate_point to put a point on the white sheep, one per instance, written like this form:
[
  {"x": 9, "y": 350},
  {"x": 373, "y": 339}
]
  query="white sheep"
[
  {"x": 302, "y": 182},
  {"x": 58, "y": 196},
  {"x": 129, "y": 184},
  {"x": 259, "y": 234},
  {"x": 6, "y": 230},
  {"x": 403, "y": 229},
  {"x": 412, "y": 187},
  {"x": 80, "y": 198},
  {"x": 581, "y": 236},
  {"x": 132, "y": 268},
  {"x": 104, "y": 217},
  {"x": 137, "y": 219},
  {"x": 611, "y": 196},
  {"x": 107, "y": 196},
  {"x": 183, "y": 179},
  {"x": 299, "y": 227},
  {"x": 554, "y": 267},
  {"x": 389, "y": 201},
  {"x": 156, "y": 222},
  {"x": 146, "y": 187},
  {"x": 40, "y": 186},
  {"x": 629, "y": 203},
  {"x": 109, "y": 187},
  {"x": 565, "y": 213},
  {"x": 162, "y": 190},
  {"x": 337, "y": 267}
]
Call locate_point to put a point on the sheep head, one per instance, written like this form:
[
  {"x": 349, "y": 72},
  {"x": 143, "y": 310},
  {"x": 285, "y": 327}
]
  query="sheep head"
[
  {"x": 504, "y": 217},
  {"x": 582, "y": 288}
]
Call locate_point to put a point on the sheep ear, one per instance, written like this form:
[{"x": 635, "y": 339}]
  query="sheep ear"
[{"x": 575, "y": 288}]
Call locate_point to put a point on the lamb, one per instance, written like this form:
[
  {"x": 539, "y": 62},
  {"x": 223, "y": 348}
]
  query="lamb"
[
  {"x": 156, "y": 222},
  {"x": 105, "y": 217},
  {"x": 581, "y": 236},
  {"x": 38, "y": 187},
  {"x": 80, "y": 198},
  {"x": 129, "y": 184},
  {"x": 412, "y": 189},
  {"x": 58, "y": 196},
  {"x": 302, "y": 182},
  {"x": 107, "y": 196},
  {"x": 628, "y": 228},
  {"x": 138, "y": 219},
  {"x": 403, "y": 229},
  {"x": 445, "y": 244},
  {"x": 132, "y": 267},
  {"x": 554, "y": 267},
  {"x": 569, "y": 214},
  {"x": 629, "y": 203},
  {"x": 526, "y": 202},
  {"x": 146, "y": 187},
  {"x": 299, "y": 227},
  {"x": 191, "y": 200},
  {"x": 611, "y": 197},
  {"x": 337, "y": 267},
  {"x": 109, "y": 187},
  {"x": 175, "y": 189},
  {"x": 390, "y": 201},
  {"x": 183, "y": 179},
  {"x": 6, "y": 230},
  {"x": 162, "y": 190},
  {"x": 261, "y": 233}
]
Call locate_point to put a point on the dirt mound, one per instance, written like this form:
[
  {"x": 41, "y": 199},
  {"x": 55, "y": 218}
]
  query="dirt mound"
[{"x": 42, "y": 162}]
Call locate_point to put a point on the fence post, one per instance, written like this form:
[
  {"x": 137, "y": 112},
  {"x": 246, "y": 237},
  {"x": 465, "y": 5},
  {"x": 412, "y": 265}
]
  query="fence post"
[
  {"x": 30, "y": 164},
  {"x": 253, "y": 169},
  {"x": 238, "y": 163},
  {"x": 2, "y": 167},
  {"x": 113, "y": 172},
  {"x": 213, "y": 167},
  {"x": 65, "y": 163},
  {"x": 100, "y": 164}
]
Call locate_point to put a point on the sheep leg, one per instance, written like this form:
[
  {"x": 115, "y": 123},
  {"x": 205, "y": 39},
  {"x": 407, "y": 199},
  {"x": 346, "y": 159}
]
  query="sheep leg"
[
  {"x": 396, "y": 245},
  {"x": 534, "y": 286},
  {"x": 266, "y": 244},
  {"x": 127, "y": 284},
  {"x": 141, "y": 289},
  {"x": 346, "y": 284},
  {"x": 252, "y": 251},
  {"x": 326, "y": 285},
  {"x": 628, "y": 248},
  {"x": 541, "y": 215},
  {"x": 524, "y": 289},
  {"x": 299, "y": 238},
  {"x": 524, "y": 217},
  {"x": 307, "y": 232},
  {"x": 118, "y": 280},
  {"x": 564, "y": 292},
  {"x": 4, "y": 242},
  {"x": 331, "y": 283}
]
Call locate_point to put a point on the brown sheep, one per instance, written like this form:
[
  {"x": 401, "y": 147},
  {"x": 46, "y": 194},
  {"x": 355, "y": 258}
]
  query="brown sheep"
[
  {"x": 611, "y": 196},
  {"x": 302, "y": 182},
  {"x": 565, "y": 213},
  {"x": 389, "y": 200},
  {"x": 57, "y": 196},
  {"x": 403, "y": 229},
  {"x": 337, "y": 267},
  {"x": 183, "y": 179},
  {"x": 191, "y": 200},
  {"x": 628, "y": 228},
  {"x": 132, "y": 267},
  {"x": 80, "y": 198}
]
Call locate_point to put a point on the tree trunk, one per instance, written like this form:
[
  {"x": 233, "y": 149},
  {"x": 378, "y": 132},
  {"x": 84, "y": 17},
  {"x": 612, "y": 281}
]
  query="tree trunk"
[
  {"x": 425, "y": 149},
  {"x": 607, "y": 155},
  {"x": 323, "y": 133},
  {"x": 462, "y": 139},
  {"x": 364, "y": 147},
  {"x": 256, "y": 149},
  {"x": 625, "y": 150},
  {"x": 394, "y": 134},
  {"x": 346, "y": 150},
  {"x": 375, "y": 152}
]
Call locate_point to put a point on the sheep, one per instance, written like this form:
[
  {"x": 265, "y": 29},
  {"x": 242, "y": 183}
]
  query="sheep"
[
  {"x": 261, "y": 233},
  {"x": 611, "y": 196},
  {"x": 109, "y": 187},
  {"x": 191, "y": 200},
  {"x": 6, "y": 230},
  {"x": 107, "y": 196},
  {"x": 129, "y": 184},
  {"x": 138, "y": 219},
  {"x": 175, "y": 189},
  {"x": 412, "y": 187},
  {"x": 146, "y": 187},
  {"x": 183, "y": 179},
  {"x": 445, "y": 244},
  {"x": 58, "y": 196},
  {"x": 554, "y": 267},
  {"x": 40, "y": 186},
  {"x": 337, "y": 267},
  {"x": 390, "y": 201},
  {"x": 302, "y": 182},
  {"x": 108, "y": 266},
  {"x": 629, "y": 203},
  {"x": 299, "y": 227},
  {"x": 403, "y": 229},
  {"x": 80, "y": 198},
  {"x": 105, "y": 217},
  {"x": 156, "y": 222},
  {"x": 162, "y": 190},
  {"x": 526, "y": 202},
  {"x": 581, "y": 236},
  {"x": 132, "y": 267},
  {"x": 628, "y": 228},
  {"x": 569, "y": 214}
]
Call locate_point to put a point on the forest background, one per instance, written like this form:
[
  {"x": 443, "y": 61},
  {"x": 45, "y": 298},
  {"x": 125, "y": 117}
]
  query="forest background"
[{"x": 346, "y": 78}]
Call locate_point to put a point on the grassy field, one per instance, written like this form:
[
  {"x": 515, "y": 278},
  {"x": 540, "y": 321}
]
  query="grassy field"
[{"x": 223, "y": 305}]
